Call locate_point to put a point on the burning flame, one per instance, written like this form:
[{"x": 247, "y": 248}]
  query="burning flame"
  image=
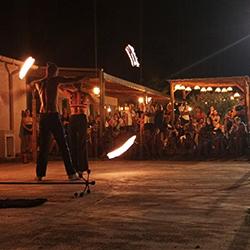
[
  {"x": 117, "y": 152},
  {"x": 132, "y": 56},
  {"x": 26, "y": 66}
]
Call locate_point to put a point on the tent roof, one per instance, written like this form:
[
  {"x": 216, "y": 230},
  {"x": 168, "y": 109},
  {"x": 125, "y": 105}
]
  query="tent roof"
[
  {"x": 114, "y": 86},
  {"x": 233, "y": 81}
]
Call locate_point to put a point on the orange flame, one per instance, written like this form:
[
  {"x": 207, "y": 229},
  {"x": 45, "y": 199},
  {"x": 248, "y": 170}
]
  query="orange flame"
[
  {"x": 117, "y": 152},
  {"x": 26, "y": 66},
  {"x": 132, "y": 56}
]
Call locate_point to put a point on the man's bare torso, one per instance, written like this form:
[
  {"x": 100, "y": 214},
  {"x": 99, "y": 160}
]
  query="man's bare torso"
[{"x": 47, "y": 89}]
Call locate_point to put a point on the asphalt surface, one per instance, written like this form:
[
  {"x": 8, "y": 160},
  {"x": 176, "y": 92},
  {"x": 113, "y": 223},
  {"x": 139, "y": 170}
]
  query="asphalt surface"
[{"x": 134, "y": 205}]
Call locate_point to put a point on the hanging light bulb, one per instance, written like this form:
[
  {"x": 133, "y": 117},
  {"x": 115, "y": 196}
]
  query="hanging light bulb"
[
  {"x": 96, "y": 90},
  {"x": 236, "y": 95},
  {"x": 229, "y": 89},
  {"x": 188, "y": 89},
  {"x": 177, "y": 87},
  {"x": 197, "y": 87},
  {"x": 218, "y": 90},
  {"x": 141, "y": 100},
  {"x": 182, "y": 87},
  {"x": 203, "y": 89},
  {"x": 209, "y": 89},
  {"x": 224, "y": 90}
]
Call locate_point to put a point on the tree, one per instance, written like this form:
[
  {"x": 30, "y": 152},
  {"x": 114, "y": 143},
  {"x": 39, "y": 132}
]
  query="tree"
[{"x": 222, "y": 102}]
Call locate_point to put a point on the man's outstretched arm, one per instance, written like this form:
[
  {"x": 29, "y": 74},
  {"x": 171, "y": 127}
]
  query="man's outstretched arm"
[{"x": 33, "y": 85}]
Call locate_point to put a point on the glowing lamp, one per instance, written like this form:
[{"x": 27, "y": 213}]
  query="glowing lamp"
[
  {"x": 26, "y": 66},
  {"x": 141, "y": 100},
  {"x": 197, "y": 87},
  {"x": 236, "y": 95},
  {"x": 188, "y": 89},
  {"x": 96, "y": 90},
  {"x": 209, "y": 89},
  {"x": 109, "y": 109},
  {"x": 203, "y": 89},
  {"x": 177, "y": 87},
  {"x": 182, "y": 87},
  {"x": 218, "y": 90},
  {"x": 229, "y": 89},
  {"x": 224, "y": 90}
]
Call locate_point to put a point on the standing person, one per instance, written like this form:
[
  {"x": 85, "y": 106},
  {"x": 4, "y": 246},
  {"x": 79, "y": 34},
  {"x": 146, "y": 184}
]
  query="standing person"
[
  {"x": 50, "y": 121},
  {"x": 27, "y": 123},
  {"x": 78, "y": 126},
  {"x": 184, "y": 113},
  {"x": 199, "y": 115},
  {"x": 21, "y": 136}
]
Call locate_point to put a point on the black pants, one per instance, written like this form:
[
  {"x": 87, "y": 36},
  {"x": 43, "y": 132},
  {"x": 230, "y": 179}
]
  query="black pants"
[
  {"x": 78, "y": 141},
  {"x": 51, "y": 123}
]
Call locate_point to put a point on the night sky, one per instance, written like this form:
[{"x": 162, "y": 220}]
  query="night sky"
[{"x": 168, "y": 36}]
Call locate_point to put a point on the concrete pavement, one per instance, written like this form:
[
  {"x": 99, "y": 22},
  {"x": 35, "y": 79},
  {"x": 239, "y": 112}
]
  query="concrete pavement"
[{"x": 134, "y": 205}]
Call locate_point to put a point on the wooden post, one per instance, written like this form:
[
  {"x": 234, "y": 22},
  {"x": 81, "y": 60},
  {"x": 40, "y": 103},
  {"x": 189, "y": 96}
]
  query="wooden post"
[
  {"x": 172, "y": 100},
  {"x": 247, "y": 100},
  {"x": 141, "y": 137},
  {"x": 101, "y": 105},
  {"x": 34, "y": 128},
  {"x": 11, "y": 99}
]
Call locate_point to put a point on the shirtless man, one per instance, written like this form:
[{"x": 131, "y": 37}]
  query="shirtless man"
[
  {"x": 78, "y": 102},
  {"x": 50, "y": 121}
]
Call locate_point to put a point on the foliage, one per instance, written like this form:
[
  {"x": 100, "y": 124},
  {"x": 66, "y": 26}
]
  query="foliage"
[{"x": 221, "y": 101}]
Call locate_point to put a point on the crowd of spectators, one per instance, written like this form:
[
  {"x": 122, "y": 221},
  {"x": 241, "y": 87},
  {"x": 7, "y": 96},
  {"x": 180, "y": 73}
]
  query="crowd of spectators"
[{"x": 192, "y": 134}]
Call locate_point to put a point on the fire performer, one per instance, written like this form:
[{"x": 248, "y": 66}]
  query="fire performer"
[
  {"x": 78, "y": 102},
  {"x": 50, "y": 121}
]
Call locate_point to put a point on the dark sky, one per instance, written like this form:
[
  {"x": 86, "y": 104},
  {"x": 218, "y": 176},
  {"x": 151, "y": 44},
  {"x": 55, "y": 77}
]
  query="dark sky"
[{"x": 168, "y": 36}]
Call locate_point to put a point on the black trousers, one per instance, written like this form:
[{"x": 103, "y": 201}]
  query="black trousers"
[
  {"x": 51, "y": 123},
  {"x": 78, "y": 141}
]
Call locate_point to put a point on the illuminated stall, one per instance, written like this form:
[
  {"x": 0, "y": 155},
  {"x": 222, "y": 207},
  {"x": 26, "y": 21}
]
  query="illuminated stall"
[{"x": 236, "y": 87}]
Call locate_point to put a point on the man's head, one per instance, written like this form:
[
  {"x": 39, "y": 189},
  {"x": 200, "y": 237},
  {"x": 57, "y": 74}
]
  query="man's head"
[{"x": 51, "y": 69}]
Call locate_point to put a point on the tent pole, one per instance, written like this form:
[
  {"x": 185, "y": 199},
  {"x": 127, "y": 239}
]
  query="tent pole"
[{"x": 172, "y": 100}]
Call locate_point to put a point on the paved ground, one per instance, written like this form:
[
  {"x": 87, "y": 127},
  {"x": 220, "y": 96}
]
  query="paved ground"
[{"x": 134, "y": 205}]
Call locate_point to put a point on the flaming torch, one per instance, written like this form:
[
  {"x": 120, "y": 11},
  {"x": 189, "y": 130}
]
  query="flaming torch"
[
  {"x": 117, "y": 152},
  {"x": 132, "y": 56},
  {"x": 26, "y": 66}
]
